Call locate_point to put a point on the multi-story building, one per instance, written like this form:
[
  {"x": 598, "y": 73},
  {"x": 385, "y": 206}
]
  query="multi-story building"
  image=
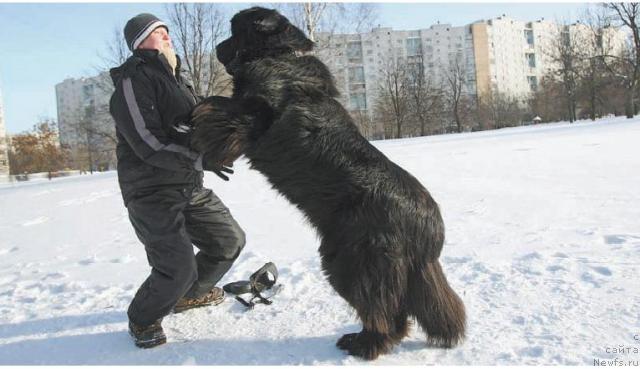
[
  {"x": 513, "y": 56},
  {"x": 84, "y": 122},
  {"x": 499, "y": 55},
  {"x": 509, "y": 57},
  {"x": 359, "y": 61},
  {"x": 4, "y": 149}
]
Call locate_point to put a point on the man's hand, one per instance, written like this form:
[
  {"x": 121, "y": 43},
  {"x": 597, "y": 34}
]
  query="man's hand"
[
  {"x": 219, "y": 171},
  {"x": 218, "y": 168}
]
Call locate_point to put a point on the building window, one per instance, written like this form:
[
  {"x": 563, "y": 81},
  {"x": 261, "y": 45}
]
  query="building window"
[
  {"x": 528, "y": 35},
  {"x": 358, "y": 101},
  {"x": 566, "y": 38},
  {"x": 413, "y": 47},
  {"x": 356, "y": 75},
  {"x": 531, "y": 59},
  {"x": 354, "y": 51},
  {"x": 533, "y": 82}
]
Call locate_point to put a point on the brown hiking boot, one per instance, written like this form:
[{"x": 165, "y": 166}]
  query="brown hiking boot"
[
  {"x": 213, "y": 297},
  {"x": 148, "y": 336}
]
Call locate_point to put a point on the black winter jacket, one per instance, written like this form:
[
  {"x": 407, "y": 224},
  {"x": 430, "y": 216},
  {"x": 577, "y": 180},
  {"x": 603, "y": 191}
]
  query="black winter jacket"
[{"x": 148, "y": 105}]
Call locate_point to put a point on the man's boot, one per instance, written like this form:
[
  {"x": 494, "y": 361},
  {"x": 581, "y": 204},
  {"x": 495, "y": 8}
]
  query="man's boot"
[
  {"x": 213, "y": 297},
  {"x": 149, "y": 336}
]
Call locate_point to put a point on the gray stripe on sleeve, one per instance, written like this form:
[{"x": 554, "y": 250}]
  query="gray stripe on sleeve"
[{"x": 141, "y": 128}]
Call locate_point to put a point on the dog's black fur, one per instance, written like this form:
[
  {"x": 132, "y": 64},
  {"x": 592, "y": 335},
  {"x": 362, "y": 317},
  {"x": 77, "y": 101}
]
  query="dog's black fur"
[{"x": 381, "y": 231}]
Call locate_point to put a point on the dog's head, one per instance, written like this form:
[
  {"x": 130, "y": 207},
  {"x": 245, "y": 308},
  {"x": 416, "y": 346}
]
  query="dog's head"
[{"x": 257, "y": 32}]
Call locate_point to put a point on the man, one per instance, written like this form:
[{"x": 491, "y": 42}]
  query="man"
[{"x": 161, "y": 182}]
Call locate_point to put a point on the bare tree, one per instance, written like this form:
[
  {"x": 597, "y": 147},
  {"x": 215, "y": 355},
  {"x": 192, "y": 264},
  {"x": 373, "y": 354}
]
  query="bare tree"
[
  {"x": 597, "y": 41},
  {"x": 455, "y": 96},
  {"x": 115, "y": 51},
  {"x": 196, "y": 30},
  {"x": 566, "y": 53},
  {"x": 545, "y": 100},
  {"x": 329, "y": 18},
  {"x": 393, "y": 99},
  {"x": 423, "y": 92},
  {"x": 627, "y": 15},
  {"x": 500, "y": 110}
]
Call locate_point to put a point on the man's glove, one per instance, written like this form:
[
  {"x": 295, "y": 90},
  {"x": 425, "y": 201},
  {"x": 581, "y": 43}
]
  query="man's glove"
[{"x": 218, "y": 169}]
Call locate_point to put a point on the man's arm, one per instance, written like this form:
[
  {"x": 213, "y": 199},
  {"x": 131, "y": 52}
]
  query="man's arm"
[{"x": 134, "y": 109}]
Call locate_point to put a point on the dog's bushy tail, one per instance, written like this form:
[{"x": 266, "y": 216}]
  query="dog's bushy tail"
[{"x": 436, "y": 307}]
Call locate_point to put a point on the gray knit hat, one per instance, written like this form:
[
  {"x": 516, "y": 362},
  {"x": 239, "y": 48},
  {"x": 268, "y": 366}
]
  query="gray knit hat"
[{"x": 139, "y": 27}]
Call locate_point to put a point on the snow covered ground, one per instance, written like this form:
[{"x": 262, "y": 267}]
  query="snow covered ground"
[{"x": 543, "y": 246}]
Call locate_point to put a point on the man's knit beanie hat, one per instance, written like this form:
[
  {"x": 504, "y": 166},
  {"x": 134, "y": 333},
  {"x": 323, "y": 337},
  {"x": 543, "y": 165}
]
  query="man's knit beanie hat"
[{"x": 139, "y": 27}]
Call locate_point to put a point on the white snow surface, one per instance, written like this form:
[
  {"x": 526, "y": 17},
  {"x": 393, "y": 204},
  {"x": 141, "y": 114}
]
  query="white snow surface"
[{"x": 542, "y": 245}]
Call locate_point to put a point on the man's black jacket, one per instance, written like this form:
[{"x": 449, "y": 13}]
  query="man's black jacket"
[{"x": 148, "y": 105}]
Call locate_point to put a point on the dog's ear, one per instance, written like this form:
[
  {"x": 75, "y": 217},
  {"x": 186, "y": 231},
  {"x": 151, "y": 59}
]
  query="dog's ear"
[{"x": 270, "y": 24}]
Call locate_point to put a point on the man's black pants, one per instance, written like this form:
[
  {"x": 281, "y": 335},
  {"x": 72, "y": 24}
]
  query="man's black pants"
[{"x": 169, "y": 222}]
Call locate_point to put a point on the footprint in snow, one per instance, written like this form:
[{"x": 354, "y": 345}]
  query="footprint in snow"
[
  {"x": 603, "y": 271},
  {"x": 123, "y": 260},
  {"x": 618, "y": 239},
  {"x": 531, "y": 256},
  {"x": 6, "y": 251},
  {"x": 535, "y": 351},
  {"x": 555, "y": 268},
  {"x": 456, "y": 260},
  {"x": 588, "y": 278},
  {"x": 54, "y": 275},
  {"x": 88, "y": 261}
]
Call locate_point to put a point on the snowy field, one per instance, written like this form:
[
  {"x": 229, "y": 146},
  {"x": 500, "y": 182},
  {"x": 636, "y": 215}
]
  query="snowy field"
[{"x": 543, "y": 246}]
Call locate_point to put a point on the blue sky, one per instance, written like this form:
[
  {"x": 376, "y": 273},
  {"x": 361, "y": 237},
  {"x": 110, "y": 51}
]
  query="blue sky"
[{"x": 42, "y": 44}]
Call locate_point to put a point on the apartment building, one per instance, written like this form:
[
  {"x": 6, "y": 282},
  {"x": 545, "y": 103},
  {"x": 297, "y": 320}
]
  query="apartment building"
[
  {"x": 358, "y": 61},
  {"x": 512, "y": 56},
  {"x": 499, "y": 55},
  {"x": 84, "y": 120},
  {"x": 4, "y": 149},
  {"x": 74, "y": 97}
]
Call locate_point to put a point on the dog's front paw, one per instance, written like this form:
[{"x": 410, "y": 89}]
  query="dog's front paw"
[
  {"x": 213, "y": 114},
  {"x": 219, "y": 130}
]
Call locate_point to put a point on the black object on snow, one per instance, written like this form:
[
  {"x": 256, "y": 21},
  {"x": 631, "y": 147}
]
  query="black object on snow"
[{"x": 263, "y": 280}]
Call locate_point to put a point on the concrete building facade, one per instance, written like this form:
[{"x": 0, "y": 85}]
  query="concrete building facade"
[
  {"x": 498, "y": 55},
  {"x": 358, "y": 61},
  {"x": 85, "y": 125}
]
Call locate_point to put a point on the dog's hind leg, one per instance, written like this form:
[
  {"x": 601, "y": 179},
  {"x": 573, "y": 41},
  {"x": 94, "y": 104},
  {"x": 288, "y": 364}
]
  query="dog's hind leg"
[
  {"x": 401, "y": 327},
  {"x": 375, "y": 288}
]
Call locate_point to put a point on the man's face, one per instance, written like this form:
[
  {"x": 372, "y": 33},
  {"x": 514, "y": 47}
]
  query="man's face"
[{"x": 157, "y": 40}]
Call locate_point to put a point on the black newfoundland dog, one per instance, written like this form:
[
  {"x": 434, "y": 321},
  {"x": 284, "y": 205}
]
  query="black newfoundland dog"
[{"x": 381, "y": 231}]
